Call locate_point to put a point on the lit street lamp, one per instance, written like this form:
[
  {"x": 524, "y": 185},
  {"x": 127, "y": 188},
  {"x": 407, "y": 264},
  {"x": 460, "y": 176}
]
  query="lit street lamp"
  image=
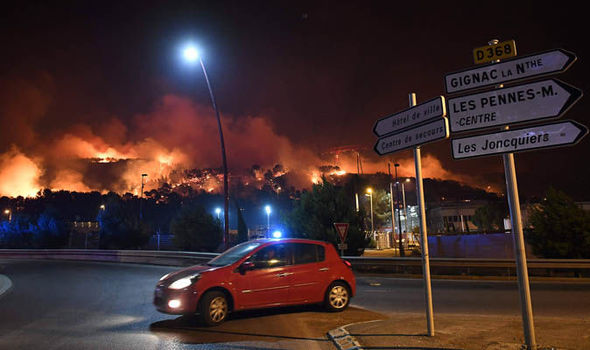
[
  {"x": 268, "y": 211},
  {"x": 370, "y": 194},
  {"x": 408, "y": 229},
  {"x": 399, "y": 219},
  {"x": 217, "y": 211},
  {"x": 191, "y": 55},
  {"x": 9, "y": 213}
]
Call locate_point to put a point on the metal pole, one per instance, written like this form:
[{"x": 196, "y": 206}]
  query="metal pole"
[
  {"x": 391, "y": 204},
  {"x": 521, "y": 264},
  {"x": 405, "y": 207},
  {"x": 224, "y": 160},
  {"x": 372, "y": 227},
  {"x": 423, "y": 234},
  {"x": 519, "y": 245},
  {"x": 399, "y": 218}
]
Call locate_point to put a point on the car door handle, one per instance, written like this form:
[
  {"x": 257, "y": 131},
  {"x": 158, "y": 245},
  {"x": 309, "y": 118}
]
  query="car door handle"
[
  {"x": 284, "y": 274},
  {"x": 324, "y": 269}
]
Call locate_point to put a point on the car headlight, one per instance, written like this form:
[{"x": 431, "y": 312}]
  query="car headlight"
[{"x": 184, "y": 282}]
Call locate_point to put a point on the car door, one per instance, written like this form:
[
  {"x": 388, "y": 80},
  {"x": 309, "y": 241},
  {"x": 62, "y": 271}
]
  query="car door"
[
  {"x": 267, "y": 284},
  {"x": 310, "y": 272}
]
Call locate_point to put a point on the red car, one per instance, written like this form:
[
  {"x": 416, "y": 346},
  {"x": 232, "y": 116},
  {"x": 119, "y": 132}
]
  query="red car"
[{"x": 259, "y": 274}]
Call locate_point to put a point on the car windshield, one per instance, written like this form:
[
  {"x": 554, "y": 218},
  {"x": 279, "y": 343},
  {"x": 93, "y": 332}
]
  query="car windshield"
[{"x": 234, "y": 254}]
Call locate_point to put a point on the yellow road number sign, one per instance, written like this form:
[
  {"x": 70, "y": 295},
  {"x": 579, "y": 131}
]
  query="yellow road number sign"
[{"x": 484, "y": 54}]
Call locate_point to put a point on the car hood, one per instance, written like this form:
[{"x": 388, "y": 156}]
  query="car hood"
[{"x": 173, "y": 276}]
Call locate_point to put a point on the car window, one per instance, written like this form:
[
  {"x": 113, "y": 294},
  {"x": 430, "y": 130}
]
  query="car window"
[
  {"x": 305, "y": 253},
  {"x": 234, "y": 254},
  {"x": 272, "y": 256}
]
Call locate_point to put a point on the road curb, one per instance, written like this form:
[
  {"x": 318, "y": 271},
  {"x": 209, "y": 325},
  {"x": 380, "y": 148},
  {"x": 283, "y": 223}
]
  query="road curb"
[
  {"x": 343, "y": 340},
  {"x": 5, "y": 284}
]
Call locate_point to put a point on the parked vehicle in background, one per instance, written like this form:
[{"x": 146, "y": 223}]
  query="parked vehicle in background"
[{"x": 259, "y": 274}]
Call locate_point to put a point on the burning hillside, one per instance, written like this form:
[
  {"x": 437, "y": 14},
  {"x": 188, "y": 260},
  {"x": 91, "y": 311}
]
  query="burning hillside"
[{"x": 176, "y": 144}]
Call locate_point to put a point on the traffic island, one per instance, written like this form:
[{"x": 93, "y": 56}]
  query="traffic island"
[
  {"x": 5, "y": 284},
  {"x": 457, "y": 331}
]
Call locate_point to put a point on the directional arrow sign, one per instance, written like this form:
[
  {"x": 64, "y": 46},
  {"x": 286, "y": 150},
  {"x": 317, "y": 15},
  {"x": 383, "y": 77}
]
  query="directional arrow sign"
[
  {"x": 558, "y": 134},
  {"x": 540, "y": 100},
  {"x": 433, "y": 131},
  {"x": 523, "y": 67},
  {"x": 415, "y": 115}
]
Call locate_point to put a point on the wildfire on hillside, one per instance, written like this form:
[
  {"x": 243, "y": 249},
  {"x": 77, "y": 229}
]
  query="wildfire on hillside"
[{"x": 177, "y": 145}]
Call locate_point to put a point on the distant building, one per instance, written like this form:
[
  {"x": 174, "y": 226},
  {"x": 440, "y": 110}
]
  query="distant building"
[
  {"x": 453, "y": 217},
  {"x": 84, "y": 234}
]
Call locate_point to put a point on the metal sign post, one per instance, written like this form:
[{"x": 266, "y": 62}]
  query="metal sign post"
[{"x": 423, "y": 234}]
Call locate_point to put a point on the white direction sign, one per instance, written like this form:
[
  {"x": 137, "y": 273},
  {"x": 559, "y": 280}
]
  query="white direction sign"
[
  {"x": 540, "y": 100},
  {"x": 415, "y": 115},
  {"x": 558, "y": 134},
  {"x": 522, "y": 67},
  {"x": 433, "y": 131}
]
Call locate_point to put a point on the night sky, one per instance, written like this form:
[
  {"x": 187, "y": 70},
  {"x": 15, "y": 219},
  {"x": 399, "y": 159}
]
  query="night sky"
[{"x": 319, "y": 73}]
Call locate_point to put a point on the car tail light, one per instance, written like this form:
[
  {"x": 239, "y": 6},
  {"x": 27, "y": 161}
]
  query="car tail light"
[{"x": 347, "y": 263}]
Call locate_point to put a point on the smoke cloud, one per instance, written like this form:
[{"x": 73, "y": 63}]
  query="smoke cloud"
[{"x": 177, "y": 134}]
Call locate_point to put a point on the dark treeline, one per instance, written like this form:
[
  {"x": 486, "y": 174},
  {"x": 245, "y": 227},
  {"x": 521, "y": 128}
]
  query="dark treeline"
[{"x": 127, "y": 221}]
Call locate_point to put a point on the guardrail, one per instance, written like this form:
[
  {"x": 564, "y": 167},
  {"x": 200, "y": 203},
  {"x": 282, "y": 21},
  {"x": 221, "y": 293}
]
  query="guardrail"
[
  {"x": 470, "y": 266},
  {"x": 172, "y": 258},
  {"x": 392, "y": 265}
]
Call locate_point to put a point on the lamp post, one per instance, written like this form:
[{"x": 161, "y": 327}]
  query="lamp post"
[
  {"x": 217, "y": 211},
  {"x": 268, "y": 211},
  {"x": 191, "y": 54},
  {"x": 404, "y": 204},
  {"x": 370, "y": 194},
  {"x": 9, "y": 213},
  {"x": 399, "y": 219}
]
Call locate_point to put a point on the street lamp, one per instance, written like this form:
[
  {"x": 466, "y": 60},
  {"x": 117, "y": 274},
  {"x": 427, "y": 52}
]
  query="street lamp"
[
  {"x": 9, "y": 213},
  {"x": 405, "y": 206},
  {"x": 191, "y": 55},
  {"x": 268, "y": 211},
  {"x": 370, "y": 194},
  {"x": 217, "y": 211},
  {"x": 399, "y": 219}
]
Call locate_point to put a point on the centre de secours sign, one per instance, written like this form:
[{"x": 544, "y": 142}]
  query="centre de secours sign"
[{"x": 426, "y": 133}]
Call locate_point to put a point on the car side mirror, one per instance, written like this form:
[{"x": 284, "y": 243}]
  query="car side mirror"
[{"x": 246, "y": 266}]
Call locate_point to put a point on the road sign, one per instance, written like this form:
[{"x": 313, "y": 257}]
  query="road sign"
[
  {"x": 342, "y": 246},
  {"x": 518, "y": 68},
  {"x": 432, "y": 131},
  {"x": 499, "y": 51},
  {"x": 565, "y": 133},
  {"x": 534, "y": 101},
  {"x": 418, "y": 114},
  {"x": 342, "y": 229}
]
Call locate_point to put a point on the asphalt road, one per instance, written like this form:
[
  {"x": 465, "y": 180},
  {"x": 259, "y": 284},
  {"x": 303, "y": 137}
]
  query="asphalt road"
[{"x": 82, "y": 305}]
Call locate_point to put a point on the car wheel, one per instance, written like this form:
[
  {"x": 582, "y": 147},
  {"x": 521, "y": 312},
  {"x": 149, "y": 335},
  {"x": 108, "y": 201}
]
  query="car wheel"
[
  {"x": 337, "y": 297},
  {"x": 213, "y": 308}
]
